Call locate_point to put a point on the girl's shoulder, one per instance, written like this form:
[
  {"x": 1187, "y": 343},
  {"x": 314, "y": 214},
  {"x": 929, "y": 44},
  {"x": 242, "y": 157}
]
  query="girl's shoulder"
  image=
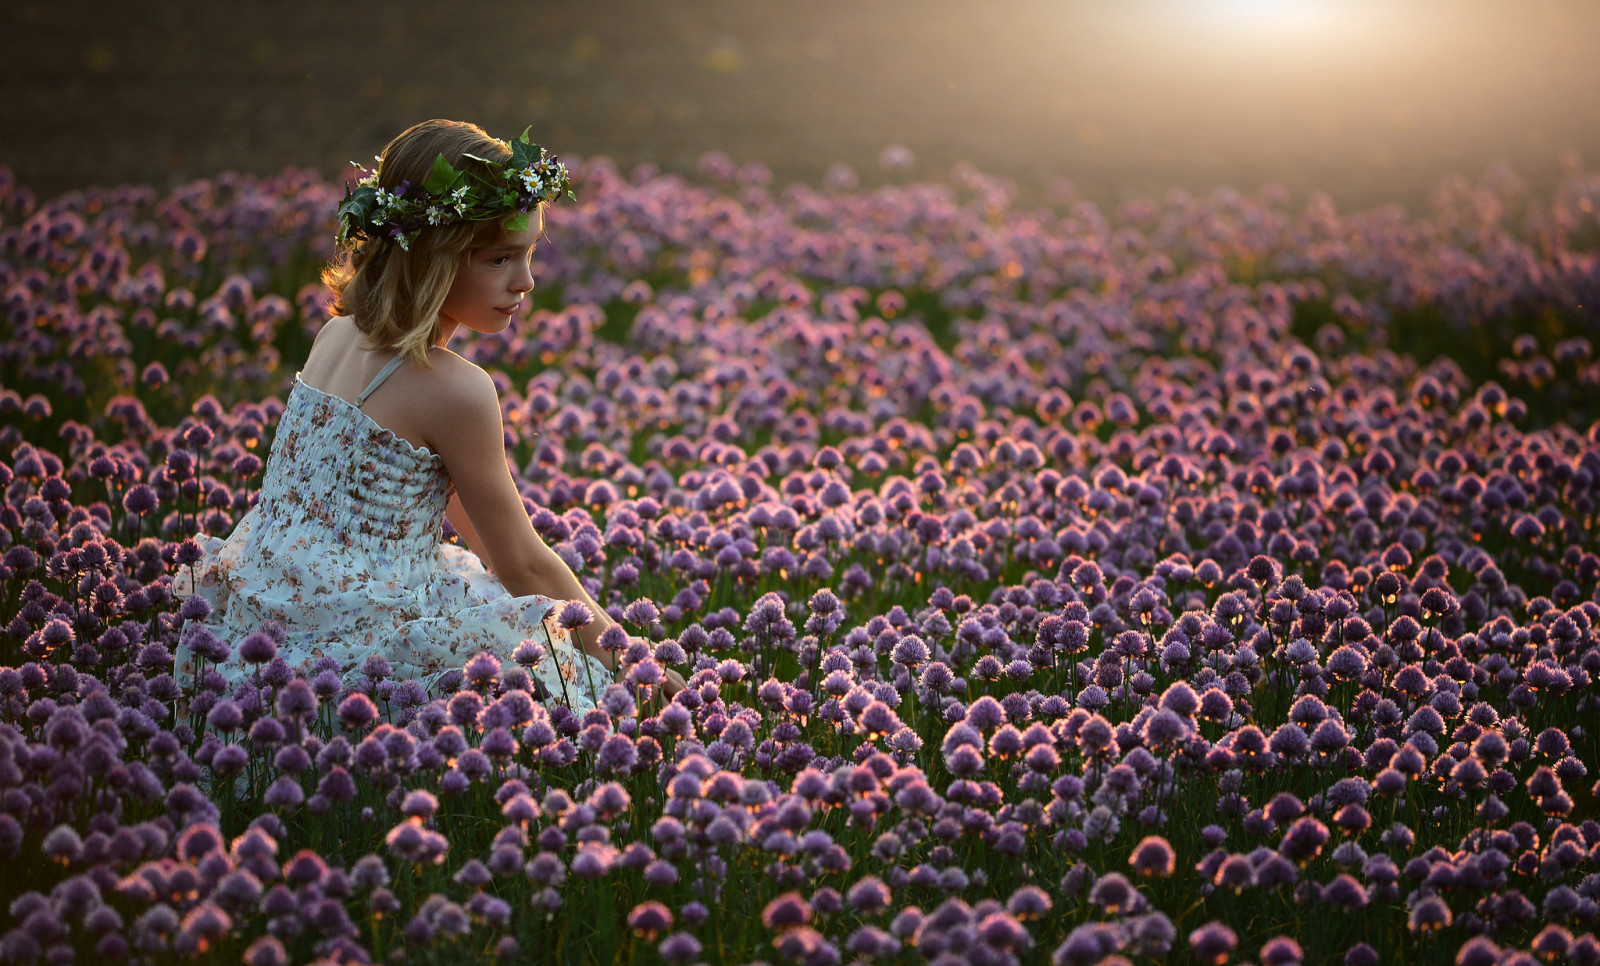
[
  {"x": 455, "y": 403},
  {"x": 452, "y": 371},
  {"x": 450, "y": 386}
]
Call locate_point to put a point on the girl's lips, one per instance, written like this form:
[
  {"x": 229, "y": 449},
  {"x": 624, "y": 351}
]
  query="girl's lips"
[{"x": 509, "y": 309}]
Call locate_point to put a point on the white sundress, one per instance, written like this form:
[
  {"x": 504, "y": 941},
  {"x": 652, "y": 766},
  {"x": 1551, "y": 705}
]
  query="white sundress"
[{"x": 343, "y": 548}]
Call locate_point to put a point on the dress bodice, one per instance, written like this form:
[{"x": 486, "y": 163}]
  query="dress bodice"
[{"x": 339, "y": 475}]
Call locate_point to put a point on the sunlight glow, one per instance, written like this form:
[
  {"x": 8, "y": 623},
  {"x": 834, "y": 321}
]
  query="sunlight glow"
[
  {"x": 1293, "y": 35},
  {"x": 1276, "y": 17}
]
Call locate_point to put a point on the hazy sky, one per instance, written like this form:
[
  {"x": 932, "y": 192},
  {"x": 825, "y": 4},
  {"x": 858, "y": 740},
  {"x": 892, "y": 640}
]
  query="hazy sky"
[{"x": 1369, "y": 100}]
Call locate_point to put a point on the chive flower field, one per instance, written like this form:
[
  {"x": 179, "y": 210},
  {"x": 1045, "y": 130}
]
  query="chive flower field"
[{"x": 1212, "y": 580}]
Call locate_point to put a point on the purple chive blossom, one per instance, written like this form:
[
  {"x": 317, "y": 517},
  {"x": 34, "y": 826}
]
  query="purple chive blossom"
[
  {"x": 574, "y": 614},
  {"x": 357, "y": 712},
  {"x": 1213, "y": 943},
  {"x": 1153, "y": 856},
  {"x": 680, "y": 947},
  {"x": 787, "y": 911},
  {"x": 1429, "y": 913},
  {"x": 649, "y": 919},
  {"x": 482, "y": 671},
  {"x": 869, "y": 895},
  {"x": 257, "y": 648},
  {"x": 1114, "y": 894},
  {"x": 1303, "y": 841},
  {"x": 529, "y": 653}
]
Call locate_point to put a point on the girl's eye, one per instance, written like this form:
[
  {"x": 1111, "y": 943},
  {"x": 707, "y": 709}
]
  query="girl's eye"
[{"x": 499, "y": 261}]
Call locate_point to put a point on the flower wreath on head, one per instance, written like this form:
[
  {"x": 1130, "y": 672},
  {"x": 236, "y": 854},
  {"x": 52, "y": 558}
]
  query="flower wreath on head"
[{"x": 532, "y": 175}]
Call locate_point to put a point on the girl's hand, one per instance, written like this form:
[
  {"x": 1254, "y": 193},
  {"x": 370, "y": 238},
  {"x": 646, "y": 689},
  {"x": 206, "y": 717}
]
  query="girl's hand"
[{"x": 673, "y": 684}]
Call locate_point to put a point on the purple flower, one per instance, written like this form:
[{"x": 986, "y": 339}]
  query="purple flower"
[
  {"x": 617, "y": 755},
  {"x": 62, "y": 844},
  {"x": 337, "y": 785},
  {"x": 1153, "y": 856},
  {"x": 1345, "y": 894},
  {"x": 305, "y": 867},
  {"x": 1087, "y": 945},
  {"x": 642, "y": 612},
  {"x": 574, "y": 614},
  {"x": 284, "y": 793},
  {"x": 266, "y": 951},
  {"x": 1213, "y": 943},
  {"x": 325, "y": 684},
  {"x": 1429, "y": 913},
  {"x": 869, "y": 895},
  {"x": 498, "y": 744},
  {"x": 1281, "y": 951},
  {"x": 911, "y": 651},
  {"x": 225, "y": 716},
  {"x": 787, "y": 911},
  {"x": 1001, "y": 930},
  {"x": 357, "y": 712},
  {"x": 464, "y": 708},
  {"x": 296, "y": 700},
  {"x": 1215, "y": 705},
  {"x": 257, "y": 648},
  {"x": 879, "y": 720},
  {"x": 649, "y": 919},
  {"x": 660, "y": 873},
  {"x": 375, "y": 668},
  {"x": 1235, "y": 872},
  {"x": 529, "y": 653},
  {"x": 1477, "y": 951},
  {"x": 679, "y": 947},
  {"x": 1303, "y": 841},
  {"x": 140, "y": 500},
  {"x": 1165, "y": 729},
  {"x": 482, "y": 671},
  {"x": 1289, "y": 740},
  {"x": 871, "y": 942},
  {"x": 1115, "y": 895},
  {"x": 593, "y": 860},
  {"x": 419, "y": 803}
]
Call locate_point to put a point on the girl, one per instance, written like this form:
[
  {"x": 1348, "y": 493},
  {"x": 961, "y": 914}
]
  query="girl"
[{"x": 387, "y": 432}]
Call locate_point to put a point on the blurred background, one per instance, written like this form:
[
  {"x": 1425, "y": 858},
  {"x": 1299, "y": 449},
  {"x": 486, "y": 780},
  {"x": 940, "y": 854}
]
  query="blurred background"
[{"x": 1370, "y": 101}]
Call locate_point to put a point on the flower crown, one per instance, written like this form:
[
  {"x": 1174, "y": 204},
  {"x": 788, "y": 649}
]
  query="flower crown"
[{"x": 449, "y": 196}]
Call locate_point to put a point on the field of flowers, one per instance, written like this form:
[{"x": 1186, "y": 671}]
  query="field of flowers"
[{"x": 1210, "y": 580}]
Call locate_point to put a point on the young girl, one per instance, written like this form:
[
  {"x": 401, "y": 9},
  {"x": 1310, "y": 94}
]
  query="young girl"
[{"x": 387, "y": 432}]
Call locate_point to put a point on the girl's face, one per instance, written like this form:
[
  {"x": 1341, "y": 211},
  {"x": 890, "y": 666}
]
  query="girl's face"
[{"x": 489, "y": 288}]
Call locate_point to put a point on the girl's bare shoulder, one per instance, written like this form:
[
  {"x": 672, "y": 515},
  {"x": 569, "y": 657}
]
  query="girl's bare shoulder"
[
  {"x": 451, "y": 388},
  {"x": 337, "y": 332}
]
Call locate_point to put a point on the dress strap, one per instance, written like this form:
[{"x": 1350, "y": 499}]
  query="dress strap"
[{"x": 384, "y": 373}]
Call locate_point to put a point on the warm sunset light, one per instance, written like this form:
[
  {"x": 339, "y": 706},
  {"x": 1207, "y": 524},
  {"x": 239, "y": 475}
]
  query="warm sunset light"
[
  {"x": 1282, "y": 17},
  {"x": 1250, "y": 35}
]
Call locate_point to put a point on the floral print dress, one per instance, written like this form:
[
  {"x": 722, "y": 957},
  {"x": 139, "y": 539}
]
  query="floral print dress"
[{"x": 343, "y": 549}]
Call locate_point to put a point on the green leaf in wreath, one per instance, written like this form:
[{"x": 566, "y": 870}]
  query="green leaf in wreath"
[
  {"x": 524, "y": 154},
  {"x": 442, "y": 178},
  {"x": 517, "y": 221},
  {"x": 359, "y": 204}
]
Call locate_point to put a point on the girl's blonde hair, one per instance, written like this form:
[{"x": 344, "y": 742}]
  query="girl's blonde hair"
[{"x": 394, "y": 295}]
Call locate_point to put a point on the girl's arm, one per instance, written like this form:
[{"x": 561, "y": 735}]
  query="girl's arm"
[
  {"x": 457, "y": 515},
  {"x": 463, "y": 426}
]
